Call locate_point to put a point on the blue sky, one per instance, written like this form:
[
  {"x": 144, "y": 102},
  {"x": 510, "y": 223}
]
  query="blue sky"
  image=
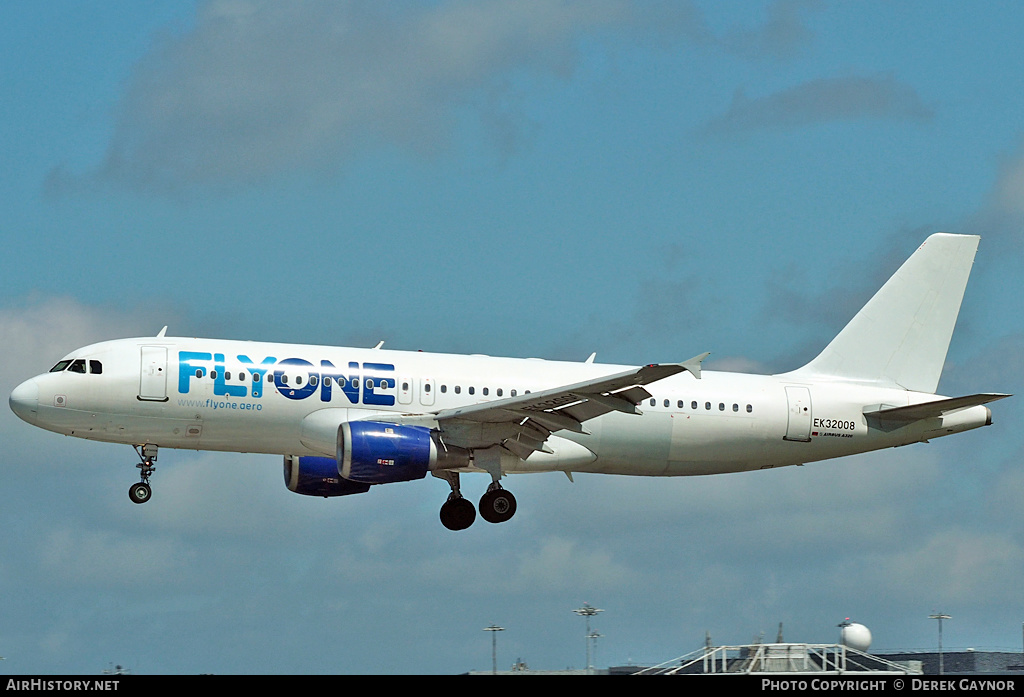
[{"x": 647, "y": 180}]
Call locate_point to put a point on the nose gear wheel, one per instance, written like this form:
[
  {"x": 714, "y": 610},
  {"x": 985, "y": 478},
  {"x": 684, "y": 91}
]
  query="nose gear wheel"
[{"x": 142, "y": 491}]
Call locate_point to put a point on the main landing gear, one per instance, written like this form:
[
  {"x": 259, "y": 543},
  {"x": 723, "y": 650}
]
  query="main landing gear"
[
  {"x": 496, "y": 506},
  {"x": 142, "y": 492}
]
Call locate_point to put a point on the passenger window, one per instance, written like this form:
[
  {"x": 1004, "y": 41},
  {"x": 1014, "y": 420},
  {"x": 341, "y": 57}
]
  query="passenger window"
[
  {"x": 314, "y": 380},
  {"x": 426, "y": 387},
  {"x": 486, "y": 392},
  {"x": 95, "y": 367},
  {"x": 679, "y": 404},
  {"x": 513, "y": 393},
  {"x": 666, "y": 403},
  {"x": 444, "y": 389},
  {"x": 749, "y": 409},
  {"x": 499, "y": 392},
  {"x": 652, "y": 401},
  {"x": 693, "y": 404},
  {"x": 707, "y": 405},
  {"x": 472, "y": 390},
  {"x": 721, "y": 406},
  {"x": 255, "y": 377},
  {"x": 458, "y": 389},
  {"x": 735, "y": 407},
  {"x": 77, "y": 366}
]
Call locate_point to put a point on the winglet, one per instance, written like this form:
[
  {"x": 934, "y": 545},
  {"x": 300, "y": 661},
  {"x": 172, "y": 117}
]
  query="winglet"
[{"x": 693, "y": 365}]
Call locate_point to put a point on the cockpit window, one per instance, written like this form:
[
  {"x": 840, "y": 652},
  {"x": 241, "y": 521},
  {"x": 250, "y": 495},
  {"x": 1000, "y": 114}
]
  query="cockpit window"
[
  {"x": 95, "y": 367},
  {"x": 59, "y": 367},
  {"x": 77, "y": 366}
]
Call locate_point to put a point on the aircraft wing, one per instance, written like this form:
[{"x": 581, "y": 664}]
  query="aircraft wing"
[{"x": 523, "y": 423}]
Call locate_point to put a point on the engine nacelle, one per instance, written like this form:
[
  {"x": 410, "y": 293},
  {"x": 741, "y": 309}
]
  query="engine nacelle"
[
  {"x": 379, "y": 453},
  {"x": 318, "y": 476}
]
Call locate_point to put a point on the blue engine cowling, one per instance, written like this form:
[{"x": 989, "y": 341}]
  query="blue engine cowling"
[
  {"x": 379, "y": 453},
  {"x": 318, "y": 476}
]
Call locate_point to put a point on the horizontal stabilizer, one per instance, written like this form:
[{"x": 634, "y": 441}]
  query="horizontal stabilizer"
[{"x": 884, "y": 416}]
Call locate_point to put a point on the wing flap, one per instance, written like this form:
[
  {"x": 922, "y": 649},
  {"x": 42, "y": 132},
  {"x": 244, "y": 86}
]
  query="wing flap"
[
  {"x": 611, "y": 392},
  {"x": 522, "y": 423}
]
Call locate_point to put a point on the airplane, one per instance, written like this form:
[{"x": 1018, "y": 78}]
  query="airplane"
[{"x": 346, "y": 419}]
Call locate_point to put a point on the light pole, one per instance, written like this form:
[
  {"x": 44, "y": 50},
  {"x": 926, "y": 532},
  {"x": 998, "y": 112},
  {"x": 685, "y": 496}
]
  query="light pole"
[
  {"x": 940, "y": 616},
  {"x": 593, "y": 637},
  {"x": 587, "y": 612},
  {"x": 494, "y": 629}
]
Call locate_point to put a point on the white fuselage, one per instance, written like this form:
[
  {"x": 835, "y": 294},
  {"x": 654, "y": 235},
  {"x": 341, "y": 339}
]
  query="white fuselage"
[{"x": 206, "y": 394}]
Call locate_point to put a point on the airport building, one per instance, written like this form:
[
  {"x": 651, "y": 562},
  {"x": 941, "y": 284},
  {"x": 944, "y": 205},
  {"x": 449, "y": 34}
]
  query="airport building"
[
  {"x": 807, "y": 659},
  {"x": 848, "y": 658}
]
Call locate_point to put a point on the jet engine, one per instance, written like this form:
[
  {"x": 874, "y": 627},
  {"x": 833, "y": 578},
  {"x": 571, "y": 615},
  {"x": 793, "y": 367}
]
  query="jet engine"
[
  {"x": 318, "y": 476},
  {"x": 379, "y": 453}
]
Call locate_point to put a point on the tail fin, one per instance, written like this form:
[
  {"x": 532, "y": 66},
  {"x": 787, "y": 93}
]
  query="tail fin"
[{"x": 901, "y": 336}]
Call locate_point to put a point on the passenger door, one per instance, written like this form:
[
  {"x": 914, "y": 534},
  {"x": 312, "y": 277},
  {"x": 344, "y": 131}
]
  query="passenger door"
[{"x": 153, "y": 374}]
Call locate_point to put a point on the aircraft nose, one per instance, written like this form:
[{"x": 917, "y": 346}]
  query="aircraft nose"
[{"x": 24, "y": 400}]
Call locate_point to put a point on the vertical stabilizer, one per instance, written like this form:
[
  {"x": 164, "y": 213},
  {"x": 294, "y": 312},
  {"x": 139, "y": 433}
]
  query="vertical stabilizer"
[{"x": 901, "y": 336}]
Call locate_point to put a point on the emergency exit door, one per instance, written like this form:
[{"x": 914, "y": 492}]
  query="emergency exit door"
[{"x": 799, "y": 425}]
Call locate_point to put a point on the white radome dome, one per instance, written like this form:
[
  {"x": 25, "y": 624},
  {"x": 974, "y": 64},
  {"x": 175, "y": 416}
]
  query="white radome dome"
[{"x": 856, "y": 636}]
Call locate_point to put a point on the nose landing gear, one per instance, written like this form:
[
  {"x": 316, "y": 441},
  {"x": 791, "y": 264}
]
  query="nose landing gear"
[{"x": 142, "y": 491}]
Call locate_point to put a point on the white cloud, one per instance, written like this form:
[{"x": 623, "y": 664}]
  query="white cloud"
[
  {"x": 42, "y": 330},
  {"x": 563, "y": 564},
  {"x": 781, "y": 37},
  {"x": 1001, "y": 217},
  {"x": 258, "y": 87},
  {"x": 35, "y": 334},
  {"x": 823, "y": 100},
  {"x": 1008, "y": 194},
  {"x": 955, "y": 566},
  {"x": 110, "y": 558}
]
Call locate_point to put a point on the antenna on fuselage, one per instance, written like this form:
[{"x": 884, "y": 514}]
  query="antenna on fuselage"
[
  {"x": 160, "y": 334},
  {"x": 379, "y": 344}
]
